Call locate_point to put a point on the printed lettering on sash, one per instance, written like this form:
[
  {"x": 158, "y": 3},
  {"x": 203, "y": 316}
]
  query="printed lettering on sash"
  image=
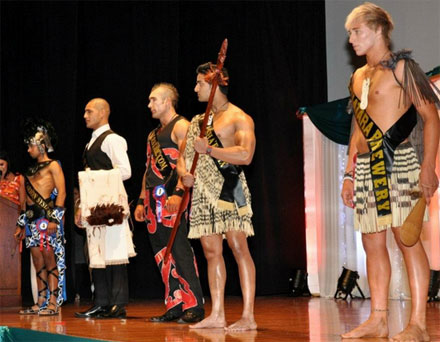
[
  {"x": 374, "y": 137},
  {"x": 37, "y": 198},
  {"x": 214, "y": 141},
  {"x": 161, "y": 161},
  {"x": 232, "y": 191}
]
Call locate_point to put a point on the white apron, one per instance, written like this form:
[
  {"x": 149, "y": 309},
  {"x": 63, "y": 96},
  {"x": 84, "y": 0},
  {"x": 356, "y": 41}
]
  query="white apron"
[{"x": 108, "y": 245}]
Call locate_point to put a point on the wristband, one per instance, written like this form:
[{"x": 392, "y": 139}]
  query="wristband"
[
  {"x": 209, "y": 150},
  {"x": 57, "y": 215},
  {"x": 22, "y": 219},
  {"x": 140, "y": 201},
  {"x": 178, "y": 192},
  {"x": 348, "y": 175}
]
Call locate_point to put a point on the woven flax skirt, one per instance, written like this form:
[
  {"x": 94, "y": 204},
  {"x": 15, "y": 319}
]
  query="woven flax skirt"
[{"x": 403, "y": 183}]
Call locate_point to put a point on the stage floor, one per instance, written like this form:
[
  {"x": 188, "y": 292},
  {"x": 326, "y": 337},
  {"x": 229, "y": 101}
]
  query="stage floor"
[{"x": 278, "y": 318}]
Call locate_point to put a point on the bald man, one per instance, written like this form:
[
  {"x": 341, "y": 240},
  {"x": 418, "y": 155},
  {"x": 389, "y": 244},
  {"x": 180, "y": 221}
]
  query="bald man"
[
  {"x": 105, "y": 151},
  {"x": 159, "y": 199}
]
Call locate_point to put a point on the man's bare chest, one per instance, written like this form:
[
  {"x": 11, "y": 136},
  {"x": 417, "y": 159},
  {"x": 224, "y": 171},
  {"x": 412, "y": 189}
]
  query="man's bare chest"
[
  {"x": 383, "y": 96},
  {"x": 225, "y": 132},
  {"x": 42, "y": 181},
  {"x": 382, "y": 84}
]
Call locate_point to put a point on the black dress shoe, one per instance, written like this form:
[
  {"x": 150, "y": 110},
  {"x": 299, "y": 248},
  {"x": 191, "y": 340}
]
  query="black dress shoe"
[
  {"x": 93, "y": 312},
  {"x": 168, "y": 316},
  {"x": 116, "y": 311},
  {"x": 192, "y": 316}
]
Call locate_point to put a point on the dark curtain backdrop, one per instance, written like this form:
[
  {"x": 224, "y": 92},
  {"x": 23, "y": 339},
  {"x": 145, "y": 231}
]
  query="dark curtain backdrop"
[{"x": 55, "y": 56}]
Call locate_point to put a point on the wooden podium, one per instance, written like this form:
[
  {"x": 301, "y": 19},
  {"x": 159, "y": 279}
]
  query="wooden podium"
[{"x": 10, "y": 258}]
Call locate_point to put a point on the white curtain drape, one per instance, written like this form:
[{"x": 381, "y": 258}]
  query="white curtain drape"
[{"x": 331, "y": 240}]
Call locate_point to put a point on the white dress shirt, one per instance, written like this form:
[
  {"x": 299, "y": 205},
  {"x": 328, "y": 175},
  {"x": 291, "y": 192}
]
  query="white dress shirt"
[{"x": 115, "y": 147}]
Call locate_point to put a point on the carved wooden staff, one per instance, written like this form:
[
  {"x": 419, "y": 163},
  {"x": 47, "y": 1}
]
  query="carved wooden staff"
[{"x": 220, "y": 61}]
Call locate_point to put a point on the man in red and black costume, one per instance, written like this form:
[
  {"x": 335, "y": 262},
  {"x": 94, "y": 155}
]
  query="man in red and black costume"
[{"x": 158, "y": 203}]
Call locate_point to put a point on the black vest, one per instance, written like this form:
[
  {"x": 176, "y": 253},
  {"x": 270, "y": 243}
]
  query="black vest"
[
  {"x": 94, "y": 158},
  {"x": 164, "y": 138}
]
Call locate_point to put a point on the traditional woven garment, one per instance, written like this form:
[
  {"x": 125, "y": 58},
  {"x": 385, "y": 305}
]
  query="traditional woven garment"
[
  {"x": 415, "y": 88},
  {"x": 108, "y": 244},
  {"x": 208, "y": 215},
  {"x": 403, "y": 185}
]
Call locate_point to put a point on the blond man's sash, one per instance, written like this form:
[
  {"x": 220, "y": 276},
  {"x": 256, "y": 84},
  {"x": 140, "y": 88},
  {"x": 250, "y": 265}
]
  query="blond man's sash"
[{"x": 375, "y": 141}]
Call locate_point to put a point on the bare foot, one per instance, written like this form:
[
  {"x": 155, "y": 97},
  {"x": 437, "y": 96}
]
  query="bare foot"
[
  {"x": 412, "y": 333},
  {"x": 243, "y": 324},
  {"x": 248, "y": 336},
  {"x": 373, "y": 327},
  {"x": 209, "y": 323},
  {"x": 212, "y": 335}
]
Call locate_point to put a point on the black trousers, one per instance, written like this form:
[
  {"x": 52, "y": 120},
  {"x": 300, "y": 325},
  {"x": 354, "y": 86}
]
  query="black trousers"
[
  {"x": 180, "y": 276},
  {"x": 111, "y": 285}
]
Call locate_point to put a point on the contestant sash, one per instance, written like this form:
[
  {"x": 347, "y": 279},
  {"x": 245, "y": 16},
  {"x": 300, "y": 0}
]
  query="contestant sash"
[
  {"x": 375, "y": 141},
  {"x": 162, "y": 163},
  {"x": 37, "y": 198},
  {"x": 34, "y": 169},
  {"x": 232, "y": 191}
]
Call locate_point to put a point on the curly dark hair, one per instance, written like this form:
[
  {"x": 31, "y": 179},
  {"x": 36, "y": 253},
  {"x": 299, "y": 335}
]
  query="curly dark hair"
[{"x": 206, "y": 67}]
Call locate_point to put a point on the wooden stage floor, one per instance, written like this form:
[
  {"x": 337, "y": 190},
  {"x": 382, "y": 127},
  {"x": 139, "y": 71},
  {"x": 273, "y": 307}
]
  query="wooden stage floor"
[{"x": 279, "y": 319}]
